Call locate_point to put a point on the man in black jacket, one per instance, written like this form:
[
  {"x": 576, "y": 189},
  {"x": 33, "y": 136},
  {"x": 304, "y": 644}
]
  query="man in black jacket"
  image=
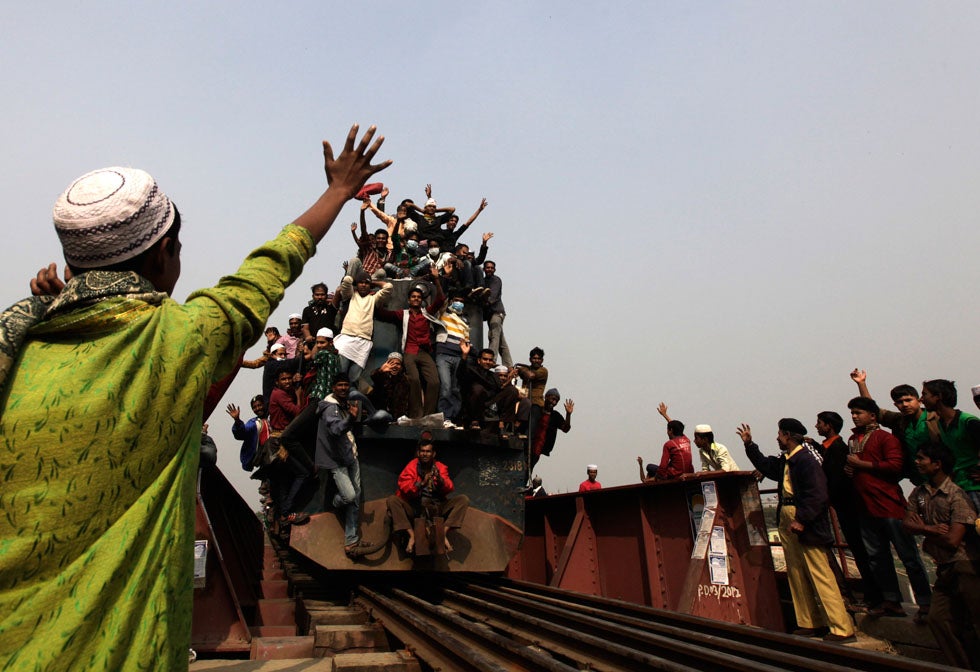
[{"x": 804, "y": 530}]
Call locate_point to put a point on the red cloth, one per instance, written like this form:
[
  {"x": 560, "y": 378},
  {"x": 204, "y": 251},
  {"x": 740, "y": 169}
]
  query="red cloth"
[
  {"x": 408, "y": 481},
  {"x": 878, "y": 487},
  {"x": 370, "y": 190},
  {"x": 676, "y": 459},
  {"x": 587, "y": 485}
]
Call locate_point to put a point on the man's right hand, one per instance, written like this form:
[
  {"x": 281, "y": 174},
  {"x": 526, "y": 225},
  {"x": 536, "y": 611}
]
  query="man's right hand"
[
  {"x": 354, "y": 409},
  {"x": 859, "y": 376},
  {"x": 234, "y": 412}
]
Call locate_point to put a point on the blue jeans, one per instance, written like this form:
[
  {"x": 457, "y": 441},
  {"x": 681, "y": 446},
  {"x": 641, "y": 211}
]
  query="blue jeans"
[
  {"x": 352, "y": 369},
  {"x": 348, "y": 482},
  {"x": 877, "y": 534},
  {"x": 449, "y": 400}
]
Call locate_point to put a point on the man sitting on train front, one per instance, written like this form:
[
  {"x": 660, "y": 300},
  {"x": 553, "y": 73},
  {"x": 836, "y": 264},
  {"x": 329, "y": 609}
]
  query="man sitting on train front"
[{"x": 423, "y": 489}]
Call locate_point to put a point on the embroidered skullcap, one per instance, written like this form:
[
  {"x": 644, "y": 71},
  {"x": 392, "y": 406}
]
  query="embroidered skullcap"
[
  {"x": 553, "y": 392},
  {"x": 111, "y": 215},
  {"x": 592, "y": 467},
  {"x": 975, "y": 390},
  {"x": 295, "y": 316},
  {"x": 702, "y": 429},
  {"x": 324, "y": 332},
  {"x": 500, "y": 369},
  {"x": 396, "y": 355},
  {"x": 277, "y": 346},
  {"x": 431, "y": 202},
  {"x": 792, "y": 426}
]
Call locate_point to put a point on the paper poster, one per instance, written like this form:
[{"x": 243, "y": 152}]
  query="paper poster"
[
  {"x": 718, "y": 544},
  {"x": 200, "y": 561},
  {"x": 704, "y": 534},
  {"x": 718, "y": 566},
  {"x": 710, "y": 494}
]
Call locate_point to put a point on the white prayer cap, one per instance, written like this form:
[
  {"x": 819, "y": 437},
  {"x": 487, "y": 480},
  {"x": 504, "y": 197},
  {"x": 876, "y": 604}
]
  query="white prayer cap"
[
  {"x": 702, "y": 429},
  {"x": 592, "y": 467},
  {"x": 324, "y": 332},
  {"x": 295, "y": 316},
  {"x": 110, "y": 215},
  {"x": 277, "y": 346}
]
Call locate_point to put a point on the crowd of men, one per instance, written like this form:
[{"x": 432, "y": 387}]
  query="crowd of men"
[
  {"x": 933, "y": 445},
  {"x": 316, "y": 382}
]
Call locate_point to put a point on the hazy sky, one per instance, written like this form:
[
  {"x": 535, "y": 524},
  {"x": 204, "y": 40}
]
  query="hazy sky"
[{"x": 724, "y": 206}]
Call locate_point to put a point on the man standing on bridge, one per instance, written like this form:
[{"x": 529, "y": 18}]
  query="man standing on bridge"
[
  {"x": 804, "y": 531},
  {"x": 97, "y": 569}
]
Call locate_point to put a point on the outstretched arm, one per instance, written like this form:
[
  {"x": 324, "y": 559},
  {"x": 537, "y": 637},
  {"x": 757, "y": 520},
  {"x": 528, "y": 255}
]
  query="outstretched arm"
[
  {"x": 662, "y": 410},
  {"x": 346, "y": 174}
]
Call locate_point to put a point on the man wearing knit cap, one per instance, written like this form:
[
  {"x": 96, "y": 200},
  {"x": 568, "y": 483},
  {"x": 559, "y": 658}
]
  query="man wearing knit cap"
[
  {"x": 544, "y": 425},
  {"x": 714, "y": 456},
  {"x": 804, "y": 531},
  {"x": 103, "y": 388},
  {"x": 590, "y": 483}
]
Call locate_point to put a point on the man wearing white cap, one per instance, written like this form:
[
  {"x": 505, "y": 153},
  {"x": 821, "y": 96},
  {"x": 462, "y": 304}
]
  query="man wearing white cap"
[
  {"x": 714, "y": 456},
  {"x": 590, "y": 483},
  {"x": 293, "y": 336},
  {"x": 103, "y": 390}
]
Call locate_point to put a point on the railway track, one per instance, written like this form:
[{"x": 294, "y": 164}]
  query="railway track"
[{"x": 484, "y": 623}]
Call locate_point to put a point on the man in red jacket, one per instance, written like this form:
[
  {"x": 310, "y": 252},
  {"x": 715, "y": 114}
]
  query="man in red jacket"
[
  {"x": 875, "y": 464},
  {"x": 423, "y": 489}
]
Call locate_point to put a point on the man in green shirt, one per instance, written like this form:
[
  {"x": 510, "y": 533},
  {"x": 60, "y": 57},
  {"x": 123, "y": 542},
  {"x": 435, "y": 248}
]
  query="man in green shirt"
[
  {"x": 960, "y": 432},
  {"x": 102, "y": 392},
  {"x": 912, "y": 425}
]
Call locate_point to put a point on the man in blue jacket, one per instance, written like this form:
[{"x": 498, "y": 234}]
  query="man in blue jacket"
[{"x": 804, "y": 530}]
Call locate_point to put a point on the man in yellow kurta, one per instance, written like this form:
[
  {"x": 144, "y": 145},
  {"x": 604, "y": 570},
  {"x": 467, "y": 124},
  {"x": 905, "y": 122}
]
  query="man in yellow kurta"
[{"x": 101, "y": 396}]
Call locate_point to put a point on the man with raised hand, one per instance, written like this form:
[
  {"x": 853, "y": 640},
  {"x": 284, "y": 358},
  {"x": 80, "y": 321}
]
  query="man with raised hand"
[
  {"x": 97, "y": 568},
  {"x": 804, "y": 531}
]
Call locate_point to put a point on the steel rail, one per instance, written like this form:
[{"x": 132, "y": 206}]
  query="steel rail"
[
  {"x": 566, "y": 628},
  {"x": 744, "y": 640}
]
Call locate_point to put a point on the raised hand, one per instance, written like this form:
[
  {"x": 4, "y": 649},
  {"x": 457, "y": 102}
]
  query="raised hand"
[
  {"x": 234, "y": 412},
  {"x": 859, "y": 376},
  {"x": 428, "y": 191},
  {"x": 745, "y": 432},
  {"x": 483, "y": 204},
  {"x": 487, "y": 236},
  {"x": 569, "y": 406},
  {"x": 349, "y": 171}
]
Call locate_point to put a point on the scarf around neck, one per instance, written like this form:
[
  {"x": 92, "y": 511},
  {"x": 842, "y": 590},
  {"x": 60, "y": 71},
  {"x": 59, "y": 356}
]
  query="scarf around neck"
[{"x": 81, "y": 291}]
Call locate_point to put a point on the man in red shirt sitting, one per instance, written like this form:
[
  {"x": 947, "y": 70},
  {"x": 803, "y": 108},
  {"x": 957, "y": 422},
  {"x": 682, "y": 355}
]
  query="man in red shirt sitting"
[{"x": 423, "y": 489}]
